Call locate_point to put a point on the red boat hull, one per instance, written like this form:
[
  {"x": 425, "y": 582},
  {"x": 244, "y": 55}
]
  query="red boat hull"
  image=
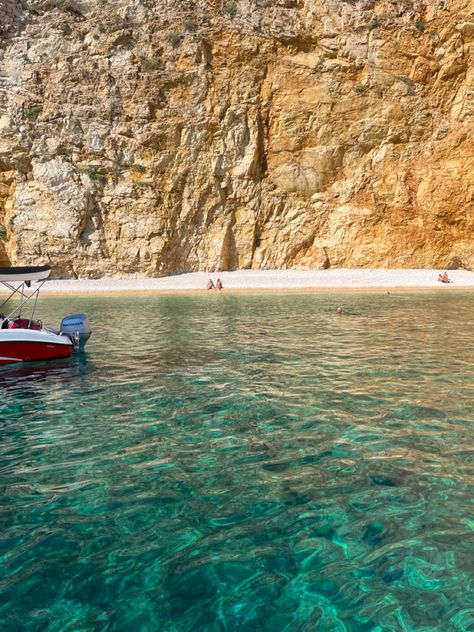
[{"x": 31, "y": 351}]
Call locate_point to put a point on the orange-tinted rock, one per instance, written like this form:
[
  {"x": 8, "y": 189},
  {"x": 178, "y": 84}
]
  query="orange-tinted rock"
[{"x": 171, "y": 137}]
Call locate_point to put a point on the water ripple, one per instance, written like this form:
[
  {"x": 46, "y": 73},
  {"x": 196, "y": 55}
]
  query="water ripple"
[{"x": 248, "y": 463}]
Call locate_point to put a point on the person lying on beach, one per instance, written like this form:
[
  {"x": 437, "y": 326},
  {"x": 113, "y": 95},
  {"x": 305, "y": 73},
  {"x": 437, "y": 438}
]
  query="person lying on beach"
[
  {"x": 219, "y": 284},
  {"x": 210, "y": 285}
]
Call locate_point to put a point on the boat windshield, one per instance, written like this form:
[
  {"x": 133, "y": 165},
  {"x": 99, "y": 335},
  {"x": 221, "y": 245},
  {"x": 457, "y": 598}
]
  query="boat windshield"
[{"x": 18, "y": 282}]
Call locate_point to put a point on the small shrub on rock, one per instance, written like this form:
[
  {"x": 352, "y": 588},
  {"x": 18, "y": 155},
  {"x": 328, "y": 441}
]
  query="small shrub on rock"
[
  {"x": 174, "y": 39},
  {"x": 420, "y": 25},
  {"x": 149, "y": 64},
  {"x": 230, "y": 9},
  {"x": 375, "y": 24},
  {"x": 33, "y": 111},
  {"x": 190, "y": 26}
]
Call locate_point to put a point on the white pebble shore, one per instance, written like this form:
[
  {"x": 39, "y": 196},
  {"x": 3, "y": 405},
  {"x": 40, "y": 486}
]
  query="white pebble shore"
[{"x": 267, "y": 280}]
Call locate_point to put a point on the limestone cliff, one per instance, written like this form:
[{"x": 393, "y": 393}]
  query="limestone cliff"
[{"x": 158, "y": 136}]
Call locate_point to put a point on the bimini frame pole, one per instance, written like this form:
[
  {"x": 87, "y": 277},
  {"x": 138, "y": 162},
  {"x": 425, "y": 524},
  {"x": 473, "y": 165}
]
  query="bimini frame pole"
[
  {"x": 36, "y": 292},
  {"x": 25, "y": 298}
]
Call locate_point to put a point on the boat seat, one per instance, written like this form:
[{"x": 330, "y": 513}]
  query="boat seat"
[{"x": 24, "y": 323}]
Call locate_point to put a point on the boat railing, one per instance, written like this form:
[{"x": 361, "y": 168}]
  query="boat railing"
[{"x": 24, "y": 299}]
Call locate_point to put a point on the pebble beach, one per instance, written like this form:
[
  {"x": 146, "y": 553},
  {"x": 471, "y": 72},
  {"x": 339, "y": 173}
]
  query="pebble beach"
[{"x": 268, "y": 280}]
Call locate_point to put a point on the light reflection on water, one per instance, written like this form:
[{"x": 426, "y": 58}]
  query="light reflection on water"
[{"x": 243, "y": 463}]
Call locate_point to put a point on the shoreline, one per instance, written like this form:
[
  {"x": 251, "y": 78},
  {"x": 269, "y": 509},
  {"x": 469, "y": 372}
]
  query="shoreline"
[
  {"x": 265, "y": 281},
  {"x": 252, "y": 291}
]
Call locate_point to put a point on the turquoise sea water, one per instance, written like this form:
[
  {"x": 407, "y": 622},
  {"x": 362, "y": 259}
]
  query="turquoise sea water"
[{"x": 243, "y": 463}]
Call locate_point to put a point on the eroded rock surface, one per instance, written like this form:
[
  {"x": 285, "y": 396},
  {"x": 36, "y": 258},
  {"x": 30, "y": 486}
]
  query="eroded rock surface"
[{"x": 154, "y": 136}]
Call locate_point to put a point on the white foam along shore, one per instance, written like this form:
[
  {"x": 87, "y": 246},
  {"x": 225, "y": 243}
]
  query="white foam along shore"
[{"x": 255, "y": 280}]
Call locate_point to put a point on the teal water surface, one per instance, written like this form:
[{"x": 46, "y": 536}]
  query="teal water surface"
[{"x": 245, "y": 463}]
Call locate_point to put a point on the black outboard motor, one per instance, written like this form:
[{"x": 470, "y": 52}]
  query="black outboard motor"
[{"x": 77, "y": 328}]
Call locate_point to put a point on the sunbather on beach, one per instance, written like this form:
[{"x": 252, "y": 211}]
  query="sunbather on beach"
[
  {"x": 218, "y": 284},
  {"x": 210, "y": 285},
  {"x": 443, "y": 278}
]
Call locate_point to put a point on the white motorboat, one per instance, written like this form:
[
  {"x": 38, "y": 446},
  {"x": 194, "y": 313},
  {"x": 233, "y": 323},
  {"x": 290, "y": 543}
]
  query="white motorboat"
[{"x": 24, "y": 339}]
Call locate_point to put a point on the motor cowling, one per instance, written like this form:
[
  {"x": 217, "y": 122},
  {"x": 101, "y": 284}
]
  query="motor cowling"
[{"x": 77, "y": 328}]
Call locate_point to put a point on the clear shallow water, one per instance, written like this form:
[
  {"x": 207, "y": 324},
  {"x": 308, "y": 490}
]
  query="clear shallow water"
[{"x": 243, "y": 463}]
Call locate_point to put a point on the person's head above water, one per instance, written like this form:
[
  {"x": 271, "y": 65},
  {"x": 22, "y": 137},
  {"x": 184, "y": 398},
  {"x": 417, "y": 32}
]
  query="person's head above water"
[{"x": 340, "y": 310}]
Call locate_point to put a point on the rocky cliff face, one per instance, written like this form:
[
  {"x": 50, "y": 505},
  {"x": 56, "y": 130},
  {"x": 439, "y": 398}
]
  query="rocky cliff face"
[{"x": 158, "y": 136}]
